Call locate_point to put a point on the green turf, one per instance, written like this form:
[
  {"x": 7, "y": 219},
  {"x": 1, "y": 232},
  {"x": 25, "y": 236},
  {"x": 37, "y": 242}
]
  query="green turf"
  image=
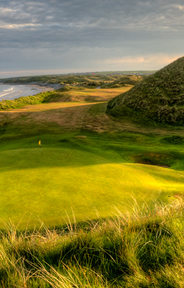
[
  {"x": 89, "y": 164},
  {"x": 85, "y": 177}
]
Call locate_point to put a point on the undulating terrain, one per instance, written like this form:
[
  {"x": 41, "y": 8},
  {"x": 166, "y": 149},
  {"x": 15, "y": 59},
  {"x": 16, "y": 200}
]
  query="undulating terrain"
[{"x": 99, "y": 202}]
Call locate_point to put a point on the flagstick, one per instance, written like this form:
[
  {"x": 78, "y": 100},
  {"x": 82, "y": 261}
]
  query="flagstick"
[{"x": 40, "y": 144}]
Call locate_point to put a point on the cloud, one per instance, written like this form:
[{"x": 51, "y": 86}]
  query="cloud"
[
  {"x": 86, "y": 14},
  {"x": 127, "y": 59},
  {"x": 156, "y": 61},
  {"x": 39, "y": 34},
  {"x": 18, "y": 26},
  {"x": 177, "y": 6},
  {"x": 7, "y": 74},
  {"x": 6, "y": 11}
]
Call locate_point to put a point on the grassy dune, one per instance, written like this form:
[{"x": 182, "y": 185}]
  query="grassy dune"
[{"x": 156, "y": 99}]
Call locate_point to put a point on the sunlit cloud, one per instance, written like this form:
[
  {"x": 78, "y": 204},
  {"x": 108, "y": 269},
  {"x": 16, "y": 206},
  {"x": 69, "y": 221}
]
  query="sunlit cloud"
[
  {"x": 180, "y": 7},
  {"x": 18, "y": 26},
  {"x": 7, "y": 10},
  {"x": 152, "y": 61},
  {"x": 86, "y": 35},
  {"x": 125, "y": 60}
]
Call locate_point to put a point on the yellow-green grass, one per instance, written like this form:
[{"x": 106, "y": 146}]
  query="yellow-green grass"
[
  {"x": 64, "y": 181},
  {"x": 80, "y": 171},
  {"x": 79, "y": 94},
  {"x": 101, "y": 93}
]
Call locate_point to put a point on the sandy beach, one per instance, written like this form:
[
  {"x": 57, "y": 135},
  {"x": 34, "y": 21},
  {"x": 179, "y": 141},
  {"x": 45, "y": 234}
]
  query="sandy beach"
[{"x": 41, "y": 87}]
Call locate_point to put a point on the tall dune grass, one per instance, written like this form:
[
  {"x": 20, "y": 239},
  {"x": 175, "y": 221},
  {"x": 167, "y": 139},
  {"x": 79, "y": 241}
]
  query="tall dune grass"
[{"x": 144, "y": 248}]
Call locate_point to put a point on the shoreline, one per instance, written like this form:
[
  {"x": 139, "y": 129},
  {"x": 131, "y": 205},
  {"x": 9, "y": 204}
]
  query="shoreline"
[
  {"x": 28, "y": 89},
  {"x": 43, "y": 86},
  {"x": 40, "y": 87}
]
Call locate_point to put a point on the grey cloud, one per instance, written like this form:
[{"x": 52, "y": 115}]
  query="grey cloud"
[
  {"x": 86, "y": 31},
  {"x": 87, "y": 13}
]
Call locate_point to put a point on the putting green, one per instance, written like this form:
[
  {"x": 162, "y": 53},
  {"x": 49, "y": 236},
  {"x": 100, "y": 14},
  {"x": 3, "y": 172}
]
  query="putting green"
[{"x": 65, "y": 181}]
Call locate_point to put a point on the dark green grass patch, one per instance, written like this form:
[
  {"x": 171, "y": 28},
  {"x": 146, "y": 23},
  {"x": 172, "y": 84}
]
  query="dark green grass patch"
[
  {"x": 158, "y": 99},
  {"x": 173, "y": 140},
  {"x": 164, "y": 160}
]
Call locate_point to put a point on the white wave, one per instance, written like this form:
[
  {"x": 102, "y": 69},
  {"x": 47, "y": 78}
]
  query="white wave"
[
  {"x": 9, "y": 89},
  {"x": 15, "y": 91},
  {"x": 6, "y": 93}
]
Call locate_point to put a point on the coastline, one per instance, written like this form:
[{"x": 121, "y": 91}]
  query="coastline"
[
  {"x": 40, "y": 87},
  {"x": 43, "y": 87},
  {"x": 27, "y": 89}
]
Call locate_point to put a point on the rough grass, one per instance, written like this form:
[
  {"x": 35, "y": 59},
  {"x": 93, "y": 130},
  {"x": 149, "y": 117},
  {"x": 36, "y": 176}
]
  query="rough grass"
[
  {"x": 142, "y": 248},
  {"x": 157, "y": 99},
  {"x": 127, "y": 80}
]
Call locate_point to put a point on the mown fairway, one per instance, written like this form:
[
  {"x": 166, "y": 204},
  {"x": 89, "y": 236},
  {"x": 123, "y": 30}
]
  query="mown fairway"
[{"x": 89, "y": 164}]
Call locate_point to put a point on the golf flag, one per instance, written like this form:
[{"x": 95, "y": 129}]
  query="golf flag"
[{"x": 39, "y": 143}]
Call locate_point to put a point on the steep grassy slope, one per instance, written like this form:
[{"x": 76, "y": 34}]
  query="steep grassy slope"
[{"x": 158, "y": 98}]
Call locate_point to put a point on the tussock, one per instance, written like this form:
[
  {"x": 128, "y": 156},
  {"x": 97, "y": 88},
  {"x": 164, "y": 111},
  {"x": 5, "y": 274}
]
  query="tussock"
[{"x": 142, "y": 248}]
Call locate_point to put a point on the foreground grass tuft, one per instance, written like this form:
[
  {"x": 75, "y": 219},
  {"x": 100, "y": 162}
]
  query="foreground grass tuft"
[{"x": 144, "y": 248}]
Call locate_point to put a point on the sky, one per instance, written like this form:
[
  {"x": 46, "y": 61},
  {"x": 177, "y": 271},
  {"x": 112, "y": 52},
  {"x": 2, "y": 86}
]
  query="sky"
[{"x": 41, "y": 37}]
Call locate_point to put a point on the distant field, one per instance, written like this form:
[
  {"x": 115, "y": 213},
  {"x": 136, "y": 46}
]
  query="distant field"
[{"x": 89, "y": 163}]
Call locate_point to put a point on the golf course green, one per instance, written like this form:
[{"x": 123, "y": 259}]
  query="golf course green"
[{"x": 80, "y": 172}]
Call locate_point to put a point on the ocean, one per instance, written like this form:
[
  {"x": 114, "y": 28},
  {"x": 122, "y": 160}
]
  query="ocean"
[{"x": 9, "y": 92}]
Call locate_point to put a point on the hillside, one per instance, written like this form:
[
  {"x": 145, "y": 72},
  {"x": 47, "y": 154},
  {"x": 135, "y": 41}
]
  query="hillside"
[
  {"x": 99, "y": 204},
  {"x": 158, "y": 98}
]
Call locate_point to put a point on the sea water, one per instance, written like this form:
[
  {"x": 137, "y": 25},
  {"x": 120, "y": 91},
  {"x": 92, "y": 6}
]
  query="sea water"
[{"x": 9, "y": 92}]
